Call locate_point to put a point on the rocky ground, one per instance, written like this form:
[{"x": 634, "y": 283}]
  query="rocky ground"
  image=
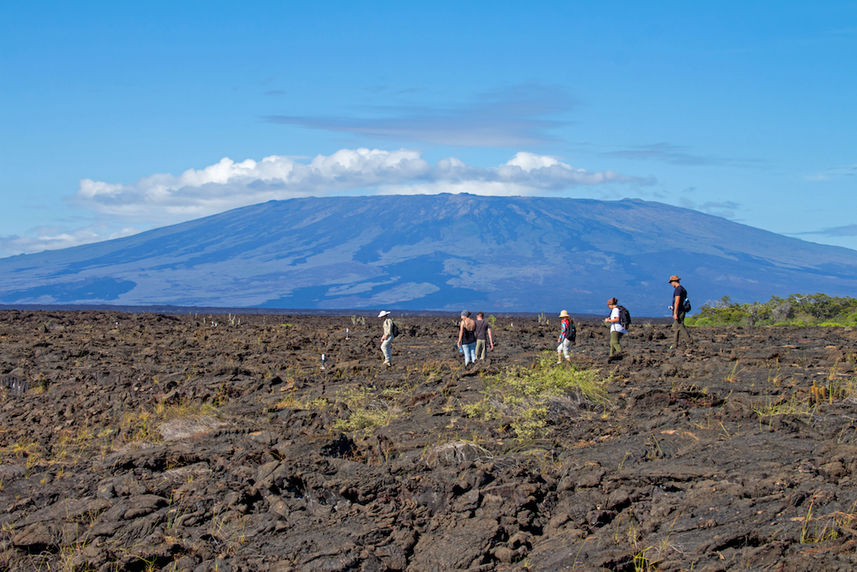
[{"x": 216, "y": 442}]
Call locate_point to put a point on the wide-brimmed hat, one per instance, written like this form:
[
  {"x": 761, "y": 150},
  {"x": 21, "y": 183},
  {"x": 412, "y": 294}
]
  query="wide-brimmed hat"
[
  {"x": 383, "y": 313},
  {"x": 674, "y": 278},
  {"x": 563, "y": 314}
]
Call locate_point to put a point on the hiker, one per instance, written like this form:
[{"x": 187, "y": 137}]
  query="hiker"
[
  {"x": 617, "y": 330},
  {"x": 387, "y": 338},
  {"x": 679, "y": 308},
  {"x": 467, "y": 338},
  {"x": 483, "y": 334},
  {"x": 567, "y": 336}
]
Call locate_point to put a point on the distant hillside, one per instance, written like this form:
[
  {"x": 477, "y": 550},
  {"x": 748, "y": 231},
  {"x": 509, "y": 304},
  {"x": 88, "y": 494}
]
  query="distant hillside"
[{"x": 434, "y": 252}]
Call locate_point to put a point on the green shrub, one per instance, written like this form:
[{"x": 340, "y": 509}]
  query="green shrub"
[
  {"x": 528, "y": 397},
  {"x": 796, "y": 310}
]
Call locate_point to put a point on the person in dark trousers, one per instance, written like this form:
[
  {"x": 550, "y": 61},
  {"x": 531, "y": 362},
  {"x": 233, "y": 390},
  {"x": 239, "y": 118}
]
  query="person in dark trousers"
[
  {"x": 483, "y": 336},
  {"x": 679, "y": 296}
]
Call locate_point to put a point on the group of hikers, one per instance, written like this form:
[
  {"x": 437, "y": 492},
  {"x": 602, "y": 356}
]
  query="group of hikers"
[{"x": 475, "y": 337}]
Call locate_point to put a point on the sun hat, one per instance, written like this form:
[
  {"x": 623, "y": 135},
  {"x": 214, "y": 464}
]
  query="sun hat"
[
  {"x": 383, "y": 313},
  {"x": 563, "y": 314},
  {"x": 674, "y": 278}
]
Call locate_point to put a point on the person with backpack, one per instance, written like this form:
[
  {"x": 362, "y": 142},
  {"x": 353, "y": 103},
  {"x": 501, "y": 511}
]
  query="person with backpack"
[
  {"x": 567, "y": 336},
  {"x": 391, "y": 330},
  {"x": 619, "y": 320},
  {"x": 680, "y": 307},
  {"x": 467, "y": 338}
]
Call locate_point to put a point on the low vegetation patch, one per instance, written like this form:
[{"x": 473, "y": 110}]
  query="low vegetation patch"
[
  {"x": 367, "y": 409},
  {"x": 532, "y": 399},
  {"x": 796, "y": 310},
  {"x": 143, "y": 425}
]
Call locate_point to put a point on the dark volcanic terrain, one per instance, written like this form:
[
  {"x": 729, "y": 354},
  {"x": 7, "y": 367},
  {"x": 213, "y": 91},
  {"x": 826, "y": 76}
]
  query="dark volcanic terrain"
[{"x": 213, "y": 442}]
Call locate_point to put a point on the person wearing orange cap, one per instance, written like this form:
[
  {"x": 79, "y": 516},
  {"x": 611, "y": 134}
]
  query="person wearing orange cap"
[{"x": 678, "y": 309}]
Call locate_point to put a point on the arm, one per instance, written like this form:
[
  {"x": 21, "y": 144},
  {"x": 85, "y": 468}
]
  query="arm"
[
  {"x": 460, "y": 332},
  {"x": 490, "y": 339},
  {"x": 676, "y": 303}
]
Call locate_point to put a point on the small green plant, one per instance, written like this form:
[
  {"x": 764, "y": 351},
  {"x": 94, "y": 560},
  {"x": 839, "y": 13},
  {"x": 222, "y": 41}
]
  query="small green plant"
[
  {"x": 528, "y": 395},
  {"x": 368, "y": 409},
  {"x": 793, "y": 406}
]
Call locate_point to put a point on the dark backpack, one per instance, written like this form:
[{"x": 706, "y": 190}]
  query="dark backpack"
[
  {"x": 394, "y": 329},
  {"x": 685, "y": 306},
  {"x": 624, "y": 317}
]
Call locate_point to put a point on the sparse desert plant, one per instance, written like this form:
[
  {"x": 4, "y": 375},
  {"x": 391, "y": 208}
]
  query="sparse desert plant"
[
  {"x": 368, "y": 409},
  {"x": 825, "y": 528},
  {"x": 834, "y": 389},
  {"x": 792, "y": 406},
  {"x": 142, "y": 425},
  {"x": 531, "y": 397}
]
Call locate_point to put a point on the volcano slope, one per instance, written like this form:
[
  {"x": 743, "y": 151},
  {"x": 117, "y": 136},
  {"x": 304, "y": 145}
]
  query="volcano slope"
[{"x": 217, "y": 442}]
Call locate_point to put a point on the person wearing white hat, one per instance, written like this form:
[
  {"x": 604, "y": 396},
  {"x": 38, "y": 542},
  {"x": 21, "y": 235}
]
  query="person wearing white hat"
[
  {"x": 567, "y": 336},
  {"x": 387, "y": 338}
]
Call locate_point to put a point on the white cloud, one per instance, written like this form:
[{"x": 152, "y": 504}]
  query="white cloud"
[
  {"x": 164, "y": 198},
  {"x": 54, "y": 238},
  {"x": 121, "y": 209}
]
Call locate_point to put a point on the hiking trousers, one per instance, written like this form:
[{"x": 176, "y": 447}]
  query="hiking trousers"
[
  {"x": 564, "y": 348},
  {"x": 387, "y": 350},
  {"x": 680, "y": 329},
  {"x": 481, "y": 349},
  {"x": 616, "y": 342}
]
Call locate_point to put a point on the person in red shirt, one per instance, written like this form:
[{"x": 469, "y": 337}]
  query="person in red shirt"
[{"x": 567, "y": 336}]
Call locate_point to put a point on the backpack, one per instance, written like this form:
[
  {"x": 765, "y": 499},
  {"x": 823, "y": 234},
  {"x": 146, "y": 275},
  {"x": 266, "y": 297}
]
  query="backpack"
[
  {"x": 571, "y": 332},
  {"x": 394, "y": 329},
  {"x": 624, "y": 317},
  {"x": 685, "y": 307}
]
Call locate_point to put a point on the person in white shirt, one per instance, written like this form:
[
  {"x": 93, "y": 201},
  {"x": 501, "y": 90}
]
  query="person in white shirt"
[
  {"x": 387, "y": 338},
  {"x": 616, "y": 329}
]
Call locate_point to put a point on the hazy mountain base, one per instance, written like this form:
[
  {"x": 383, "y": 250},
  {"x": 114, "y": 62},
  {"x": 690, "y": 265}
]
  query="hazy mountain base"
[{"x": 154, "y": 442}]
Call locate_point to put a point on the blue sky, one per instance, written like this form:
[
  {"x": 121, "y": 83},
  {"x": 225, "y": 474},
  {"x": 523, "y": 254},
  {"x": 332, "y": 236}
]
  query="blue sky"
[{"x": 119, "y": 117}]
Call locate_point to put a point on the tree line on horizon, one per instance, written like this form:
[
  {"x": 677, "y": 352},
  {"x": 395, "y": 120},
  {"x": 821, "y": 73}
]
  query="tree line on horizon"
[{"x": 797, "y": 310}]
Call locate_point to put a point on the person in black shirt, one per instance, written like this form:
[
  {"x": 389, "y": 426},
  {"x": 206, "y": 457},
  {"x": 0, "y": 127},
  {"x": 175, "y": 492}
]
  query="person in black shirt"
[
  {"x": 679, "y": 296},
  {"x": 483, "y": 336}
]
